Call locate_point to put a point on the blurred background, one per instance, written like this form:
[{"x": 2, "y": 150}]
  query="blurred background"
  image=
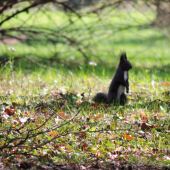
[{"x": 75, "y": 32}]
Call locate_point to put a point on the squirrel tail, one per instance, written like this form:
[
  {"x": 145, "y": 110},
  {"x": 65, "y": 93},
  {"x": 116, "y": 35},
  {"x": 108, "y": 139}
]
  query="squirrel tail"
[{"x": 100, "y": 98}]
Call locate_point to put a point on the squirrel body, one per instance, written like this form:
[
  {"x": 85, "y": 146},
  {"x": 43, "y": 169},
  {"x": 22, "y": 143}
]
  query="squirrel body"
[{"x": 118, "y": 84}]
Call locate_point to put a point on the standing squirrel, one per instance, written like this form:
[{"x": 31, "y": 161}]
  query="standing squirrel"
[{"x": 117, "y": 87}]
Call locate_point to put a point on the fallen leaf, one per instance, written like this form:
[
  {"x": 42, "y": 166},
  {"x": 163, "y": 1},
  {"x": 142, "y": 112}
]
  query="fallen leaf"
[
  {"x": 13, "y": 107},
  {"x": 9, "y": 112},
  {"x": 53, "y": 134},
  {"x": 68, "y": 151},
  {"x": 146, "y": 127},
  {"x": 56, "y": 146},
  {"x": 62, "y": 115},
  {"x": 144, "y": 118},
  {"x": 166, "y": 84},
  {"x": 93, "y": 117},
  {"x": 87, "y": 80},
  {"x": 15, "y": 143},
  {"x": 37, "y": 122},
  {"x": 159, "y": 115},
  {"x": 133, "y": 86},
  {"x": 110, "y": 137},
  {"x": 99, "y": 154},
  {"x": 141, "y": 112},
  {"x": 158, "y": 101},
  {"x": 132, "y": 116},
  {"x": 127, "y": 137},
  {"x": 67, "y": 117}
]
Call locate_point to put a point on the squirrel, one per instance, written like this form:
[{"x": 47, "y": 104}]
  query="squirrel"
[{"x": 117, "y": 87}]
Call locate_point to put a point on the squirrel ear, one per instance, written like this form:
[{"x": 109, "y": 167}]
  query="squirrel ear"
[{"x": 123, "y": 57}]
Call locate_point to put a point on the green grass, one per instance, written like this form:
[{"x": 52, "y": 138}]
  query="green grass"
[
  {"x": 90, "y": 129},
  {"x": 116, "y": 31}
]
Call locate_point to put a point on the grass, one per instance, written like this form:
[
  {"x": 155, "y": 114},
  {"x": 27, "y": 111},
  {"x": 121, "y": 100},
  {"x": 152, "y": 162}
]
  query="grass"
[
  {"x": 106, "y": 37},
  {"x": 91, "y": 131},
  {"x": 45, "y": 118}
]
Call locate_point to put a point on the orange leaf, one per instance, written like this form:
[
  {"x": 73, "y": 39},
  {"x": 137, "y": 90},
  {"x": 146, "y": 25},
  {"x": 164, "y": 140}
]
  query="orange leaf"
[
  {"x": 87, "y": 80},
  {"x": 15, "y": 143},
  {"x": 145, "y": 118},
  {"x": 62, "y": 115},
  {"x": 37, "y": 122},
  {"x": 53, "y": 134},
  {"x": 68, "y": 151},
  {"x": 128, "y": 137},
  {"x": 158, "y": 101},
  {"x": 133, "y": 86},
  {"x": 141, "y": 112},
  {"x": 67, "y": 117},
  {"x": 99, "y": 154},
  {"x": 159, "y": 115},
  {"x": 97, "y": 136},
  {"x": 166, "y": 84},
  {"x": 132, "y": 116},
  {"x": 97, "y": 117},
  {"x": 60, "y": 111}
]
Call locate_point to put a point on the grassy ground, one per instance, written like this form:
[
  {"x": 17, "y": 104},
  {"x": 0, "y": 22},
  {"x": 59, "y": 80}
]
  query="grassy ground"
[
  {"x": 115, "y": 31},
  {"x": 48, "y": 116},
  {"x": 67, "y": 127}
]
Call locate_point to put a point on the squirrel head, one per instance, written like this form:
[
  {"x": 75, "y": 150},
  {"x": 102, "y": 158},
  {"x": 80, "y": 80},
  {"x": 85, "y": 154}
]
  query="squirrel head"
[{"x": 124, "y": 63}]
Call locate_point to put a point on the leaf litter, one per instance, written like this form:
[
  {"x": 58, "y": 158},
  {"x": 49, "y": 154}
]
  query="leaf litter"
[{"x": 66, "y": 130}]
